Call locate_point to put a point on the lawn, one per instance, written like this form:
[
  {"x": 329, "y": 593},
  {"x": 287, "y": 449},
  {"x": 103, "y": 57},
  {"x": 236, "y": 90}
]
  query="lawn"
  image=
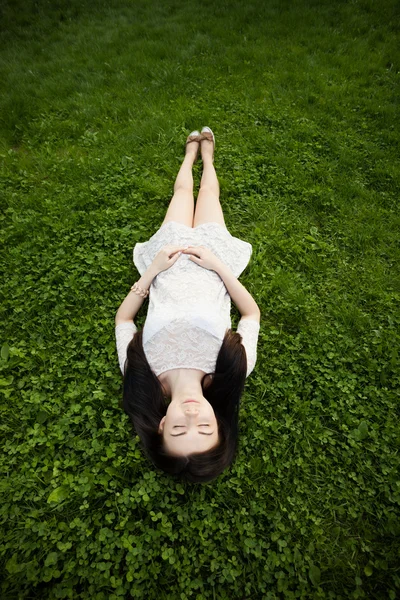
[{"x": 97, "y": 100}]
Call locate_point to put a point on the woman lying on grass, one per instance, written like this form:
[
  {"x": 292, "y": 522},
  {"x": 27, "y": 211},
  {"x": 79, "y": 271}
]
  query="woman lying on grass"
[{"x": 187, "y": 351}]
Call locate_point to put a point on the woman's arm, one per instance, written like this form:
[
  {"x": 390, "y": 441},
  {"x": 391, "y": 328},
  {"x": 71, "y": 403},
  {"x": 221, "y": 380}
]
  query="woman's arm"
[
  {"x": 241, "y": 297},
  {"x": 131, "y": 304},
  {"x": 163, "y": 261},
  {"x": 244, "y": 301}
]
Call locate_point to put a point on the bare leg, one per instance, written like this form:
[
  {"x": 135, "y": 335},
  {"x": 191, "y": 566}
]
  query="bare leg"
[
  {"x": 181, "y": 206},
  {"x": 208, "y": 207}
]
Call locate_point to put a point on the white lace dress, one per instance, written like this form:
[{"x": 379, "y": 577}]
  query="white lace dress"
[{"x": 189, "y": 306}]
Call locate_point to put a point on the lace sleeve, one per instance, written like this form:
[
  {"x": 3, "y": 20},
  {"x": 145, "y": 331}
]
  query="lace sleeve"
[
  {"x": 124, "y": 333},
  {"x": 249, "y": 331}
]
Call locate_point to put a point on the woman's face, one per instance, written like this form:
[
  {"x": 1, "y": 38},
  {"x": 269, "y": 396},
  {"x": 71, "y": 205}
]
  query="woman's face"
[{"x": 189, "y": 426}]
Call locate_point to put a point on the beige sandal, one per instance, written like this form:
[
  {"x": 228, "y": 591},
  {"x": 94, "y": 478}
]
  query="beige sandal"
[
  {"x": 194, "y": 137},
  {"x": 207, "y": 134}
]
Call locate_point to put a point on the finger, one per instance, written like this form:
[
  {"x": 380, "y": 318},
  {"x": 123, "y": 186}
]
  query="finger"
[
  {"x": 195, "y": 259},
  {"x": 192, "y": 250},
  {"x": 175, "y": 258},
  {"x": 193, "y": 255},
  {"x": 175, "y": 250}
]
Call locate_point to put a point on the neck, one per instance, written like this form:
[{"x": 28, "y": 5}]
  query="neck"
[{"x": 183, "y": 383}]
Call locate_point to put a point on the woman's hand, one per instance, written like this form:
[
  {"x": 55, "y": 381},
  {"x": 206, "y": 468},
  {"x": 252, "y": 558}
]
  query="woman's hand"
[
  {"x": 166, "y": 258},
  {"x": 204, "y": 257}
]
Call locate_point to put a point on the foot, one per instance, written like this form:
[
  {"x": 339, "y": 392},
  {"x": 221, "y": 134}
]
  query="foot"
[
  {"x": 207, "y": 143},
  {"x": 193, "y": 145}
]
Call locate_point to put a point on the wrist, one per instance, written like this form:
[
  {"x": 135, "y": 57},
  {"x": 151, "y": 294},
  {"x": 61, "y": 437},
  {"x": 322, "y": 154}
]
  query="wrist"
[
  {"x": 152, "y": 272},
  {"x": 147, "y": 278},
  {"x": 221, "y": 269}
]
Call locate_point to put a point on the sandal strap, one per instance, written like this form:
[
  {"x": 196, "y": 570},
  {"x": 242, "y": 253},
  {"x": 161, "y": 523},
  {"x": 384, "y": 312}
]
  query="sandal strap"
[
  {"x": 193, "y": 138},
  {"x": 198, "y": 138},
  {"x": 207, "y": 136}
]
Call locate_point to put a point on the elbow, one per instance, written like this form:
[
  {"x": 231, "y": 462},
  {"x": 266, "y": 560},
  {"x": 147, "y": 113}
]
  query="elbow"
[
  {"x": 256, "y": 312},
  {"x": 253, "y": 315},
  {"x": 119, "y": 318}
]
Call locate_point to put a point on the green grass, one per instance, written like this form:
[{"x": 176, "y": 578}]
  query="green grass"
[{"x": 97, "y": 101}]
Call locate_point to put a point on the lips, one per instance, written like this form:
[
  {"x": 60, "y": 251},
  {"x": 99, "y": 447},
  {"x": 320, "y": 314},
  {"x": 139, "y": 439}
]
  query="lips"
[{"x": 186, "y": 401}]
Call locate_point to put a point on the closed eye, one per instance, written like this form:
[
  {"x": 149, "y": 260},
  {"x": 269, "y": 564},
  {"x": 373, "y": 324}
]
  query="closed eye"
[
  {"x": 184, "y": 432},
  {"x": 203, "y": 425}
]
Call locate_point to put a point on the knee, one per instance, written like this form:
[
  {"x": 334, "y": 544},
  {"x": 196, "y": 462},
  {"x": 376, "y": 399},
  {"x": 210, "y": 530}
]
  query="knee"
[
  {"x": 210, "y": 190},
  {"x": 185, "y": 187}
]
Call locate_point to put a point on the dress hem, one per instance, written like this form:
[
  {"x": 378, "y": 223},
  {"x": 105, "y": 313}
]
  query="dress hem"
[
  {"x": 233, "y": 251},
  {"x": 175, "y": 368}
]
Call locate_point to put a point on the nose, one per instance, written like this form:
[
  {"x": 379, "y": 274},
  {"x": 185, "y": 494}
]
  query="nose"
[{"x": 191, "y": 410}]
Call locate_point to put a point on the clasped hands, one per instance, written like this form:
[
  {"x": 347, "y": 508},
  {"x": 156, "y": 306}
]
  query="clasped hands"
[{"x": 168, "y": 255}]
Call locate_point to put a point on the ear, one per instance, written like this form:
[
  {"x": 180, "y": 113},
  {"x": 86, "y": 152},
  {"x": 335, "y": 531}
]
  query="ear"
[
  {"x": 161, "y": 426},
  {"x": 208, "y": 381}
]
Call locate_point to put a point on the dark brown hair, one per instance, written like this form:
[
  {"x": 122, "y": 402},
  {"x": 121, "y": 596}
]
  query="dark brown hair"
[{"x": 145, "y": 403}]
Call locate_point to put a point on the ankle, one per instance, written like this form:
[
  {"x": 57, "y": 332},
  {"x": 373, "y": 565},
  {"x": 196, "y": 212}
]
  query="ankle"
[
  {"x": 190, "y": 157},
  {"x": 207, "y": 158}
]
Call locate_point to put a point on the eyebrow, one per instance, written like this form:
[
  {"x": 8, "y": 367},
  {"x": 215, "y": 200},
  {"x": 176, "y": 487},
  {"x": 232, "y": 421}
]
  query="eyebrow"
[{"x": 184, "y": 433}]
